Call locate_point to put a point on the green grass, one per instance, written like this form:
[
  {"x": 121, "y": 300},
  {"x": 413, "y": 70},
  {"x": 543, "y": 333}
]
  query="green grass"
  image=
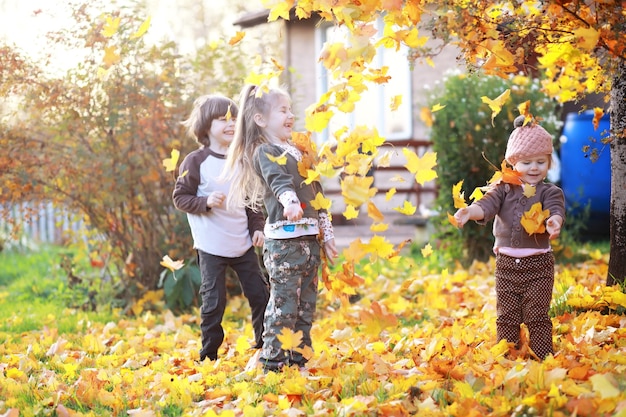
[{"x": 34, "y": 293}]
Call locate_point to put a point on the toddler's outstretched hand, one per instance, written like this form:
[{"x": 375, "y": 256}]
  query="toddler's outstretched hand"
[
  {"x": 293, "y": 212},
  {"x": 553, "y": 226},
  {"x": 462, "y": 216}
]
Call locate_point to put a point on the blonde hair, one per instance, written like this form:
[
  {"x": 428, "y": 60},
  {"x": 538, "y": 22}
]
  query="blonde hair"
[
  {"x": 207, "y": 108},
  {"x": 247, "y": 186}
]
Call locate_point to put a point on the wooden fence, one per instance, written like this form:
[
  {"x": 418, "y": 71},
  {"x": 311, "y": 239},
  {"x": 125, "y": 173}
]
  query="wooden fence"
[{"x": 36, "y": 222}]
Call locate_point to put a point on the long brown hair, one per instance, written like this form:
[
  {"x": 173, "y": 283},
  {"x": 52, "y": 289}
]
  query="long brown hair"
[{"x": 247, "y": 186}]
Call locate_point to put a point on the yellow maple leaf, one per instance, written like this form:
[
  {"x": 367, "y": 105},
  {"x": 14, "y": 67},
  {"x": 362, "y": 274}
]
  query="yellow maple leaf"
[
  {"x": 321, "y": 202},
  {"x": 357, "y": 190},
  {"x": 289, "y": 339},
  {"x": 422, "y": 166},
  {"x": 143, "y": 28},
  {"x": 427, "y": 250},
  {"x": 111, "y": 57},
  {"x": 384, "y": 160},
  {"x": 170, "y": 163},
  {"x": 111, "y": 25},
  {"x": 170, "y": 264},
  {"x": 497, "y": 103},
  {"x": 390, "y": 193},
  {"x": 379, "y": 227},
  {"x": 427, "y": 116},
  {"x": 524, "y": 110},
  {"x": 458, "y": 196},
  {"x": 406, "y": 209},
  {"x": 237, "y": 38},
  {"x": 533, "y": 220},
  {"x": 435, "y": 108},
  {"x": 476, "y": 195},
  {"x": 529, "y": 190},
  {"x": 318, "y": 120},
  {"x": 280, "y": 9},
  {"x": 280, "y": 159},
  {"x": 374, "y": 213},
  {"x": 396, "y": 101},
  {"x": 452, "y": 220},
  {"x": 350, "y": 212}
]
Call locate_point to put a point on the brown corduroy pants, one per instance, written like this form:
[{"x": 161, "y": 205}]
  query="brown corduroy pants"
[{"x": 524, "y": 292}]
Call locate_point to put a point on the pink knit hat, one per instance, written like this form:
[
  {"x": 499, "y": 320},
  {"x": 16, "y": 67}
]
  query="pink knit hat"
[{"x": 527, "y": 141}]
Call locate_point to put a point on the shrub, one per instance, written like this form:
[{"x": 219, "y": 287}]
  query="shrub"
[
  {"x": 93, "y": 139},
  {"x": 469, "y": 145}
]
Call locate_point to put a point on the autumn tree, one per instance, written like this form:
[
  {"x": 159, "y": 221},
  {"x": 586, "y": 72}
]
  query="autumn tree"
[
  {"x": 577, "y": 47},
  {"x": 93, "y": 140}
]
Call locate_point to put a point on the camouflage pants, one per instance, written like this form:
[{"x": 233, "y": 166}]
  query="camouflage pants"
[{"x": 292, "y": 265}]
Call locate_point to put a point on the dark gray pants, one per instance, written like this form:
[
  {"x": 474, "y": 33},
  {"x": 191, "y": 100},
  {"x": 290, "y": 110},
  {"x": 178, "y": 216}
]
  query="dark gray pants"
[{"x": 213, "y": 295}]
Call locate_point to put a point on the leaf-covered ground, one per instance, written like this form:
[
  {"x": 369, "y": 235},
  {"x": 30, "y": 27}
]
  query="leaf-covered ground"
[{"x": 416, "y": 342}]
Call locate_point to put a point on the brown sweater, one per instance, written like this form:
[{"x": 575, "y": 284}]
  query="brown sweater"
[{"x": 507, "y": 204}]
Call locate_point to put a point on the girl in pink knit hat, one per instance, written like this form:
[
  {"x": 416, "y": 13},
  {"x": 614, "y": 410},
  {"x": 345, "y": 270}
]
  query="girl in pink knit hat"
[{"x": 524, "y": 259}]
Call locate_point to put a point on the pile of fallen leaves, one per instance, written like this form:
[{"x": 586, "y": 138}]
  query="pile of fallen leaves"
[{"x": 416, "y": 341}]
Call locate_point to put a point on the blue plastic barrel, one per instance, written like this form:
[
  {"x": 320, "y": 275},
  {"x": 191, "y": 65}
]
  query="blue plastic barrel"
[{"x": 586, "y": 182}]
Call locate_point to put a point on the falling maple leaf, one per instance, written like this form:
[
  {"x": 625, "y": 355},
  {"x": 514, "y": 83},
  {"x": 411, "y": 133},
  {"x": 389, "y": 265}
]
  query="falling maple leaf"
[
  {"x": 170, "y": 163},
  {"x": 427, "y": 250},
  {"x": 237, "y": 38},
  {"x": 506, "y": 175},
  {"x": 356, "y": 190},
  {"x": 598, "y": 112},
  {"x": 321, "y": 202},
  {"x": 452, "y": 220},
  {"x": 458, "y": 196},
  {"x": 422, "y": 167},
  {"x": 497, "y": 103},
  {"x": 435, "y": 108},
  {"x": 350, "y": 212},
  {"x": 396, "y": 101},
  {"x": 407, "y": 208},
  {"x": 170, "y": 264},
  {"x": 392, "y": 191},
  {"x": 143, "y": 28},
  {"x": 374, "y": 213},
  {"x": 427, "y": 116},
  {"x": 533, "y": 220}
]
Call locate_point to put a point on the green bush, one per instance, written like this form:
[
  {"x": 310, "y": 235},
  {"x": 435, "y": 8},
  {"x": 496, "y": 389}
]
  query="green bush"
[{"x": 470, "y": 146}]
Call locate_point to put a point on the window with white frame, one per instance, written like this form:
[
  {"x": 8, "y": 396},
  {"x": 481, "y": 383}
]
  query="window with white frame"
[{"x": 375, "y": 106}]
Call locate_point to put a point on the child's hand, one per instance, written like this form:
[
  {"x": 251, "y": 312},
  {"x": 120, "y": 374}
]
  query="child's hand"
[
  {"x": 331, "y": 250},
  {"x": 258, "y": 238},
  {"x": 553, "y": 226},
  {"x": 462, "y": 216},
  {"x": 293, "y": 212},
  {"x": 215, "y": 199}
]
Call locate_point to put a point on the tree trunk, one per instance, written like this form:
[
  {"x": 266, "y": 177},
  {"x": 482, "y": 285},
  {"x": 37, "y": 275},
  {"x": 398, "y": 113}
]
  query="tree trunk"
[{"x": 617, "y": 259}]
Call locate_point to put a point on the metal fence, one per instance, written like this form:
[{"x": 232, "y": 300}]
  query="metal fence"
[{"x": 37, "y": 223}]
